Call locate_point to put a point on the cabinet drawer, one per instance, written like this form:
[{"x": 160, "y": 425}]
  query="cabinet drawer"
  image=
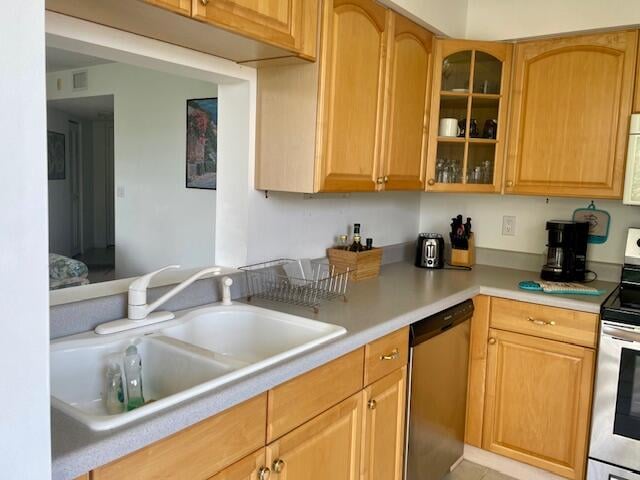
[
  {"x": 554, "y": 323},
  {"x": 386, "y": 355},
  {"x": 299, "y": 400},
  {"x": 199, "y": 451}
]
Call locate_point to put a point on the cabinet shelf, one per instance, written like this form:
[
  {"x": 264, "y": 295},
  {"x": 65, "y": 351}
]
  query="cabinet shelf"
[
  {"x": 451, "y": 139},
  {"x": 489, "y": 141}
]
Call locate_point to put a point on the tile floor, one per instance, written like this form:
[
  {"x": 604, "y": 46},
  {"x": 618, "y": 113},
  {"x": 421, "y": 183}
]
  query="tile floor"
[{"x": 471, "y": 471}]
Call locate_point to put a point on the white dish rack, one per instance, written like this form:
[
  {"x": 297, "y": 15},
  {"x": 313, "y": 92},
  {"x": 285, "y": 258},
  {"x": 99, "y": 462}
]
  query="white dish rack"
[{"x": 270, "y": 281}]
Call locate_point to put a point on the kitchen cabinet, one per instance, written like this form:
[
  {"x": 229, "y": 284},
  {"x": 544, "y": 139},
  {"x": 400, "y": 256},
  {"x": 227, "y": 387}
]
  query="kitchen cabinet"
[
  {"x": 197, "y": 452},
  {"x": 252, "y": 467},
  {"x": 384, "y": 424},
  {"x": 538, "y": 400},
  {"x": 470, "y": 95},
  {"x": 179, "y": 6},
  {"x": 245, "y": 31},
  {"x": 326, "y": 447},
  {"x": 569, "y": 116},
  {"x": 290, "y": 24},
  {"x": 356, "y": 120}
]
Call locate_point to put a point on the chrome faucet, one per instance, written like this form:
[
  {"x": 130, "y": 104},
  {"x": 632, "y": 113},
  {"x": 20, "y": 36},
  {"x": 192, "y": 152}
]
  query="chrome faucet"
[{"x": 139, "y": 312}]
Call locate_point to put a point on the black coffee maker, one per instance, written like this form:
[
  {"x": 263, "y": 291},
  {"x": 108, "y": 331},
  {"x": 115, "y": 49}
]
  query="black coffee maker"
[{"x": 566, "y": 251}]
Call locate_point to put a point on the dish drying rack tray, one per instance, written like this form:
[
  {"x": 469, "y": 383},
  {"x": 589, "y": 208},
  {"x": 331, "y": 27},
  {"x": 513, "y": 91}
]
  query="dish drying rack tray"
[{"x": 269, "y": 281}]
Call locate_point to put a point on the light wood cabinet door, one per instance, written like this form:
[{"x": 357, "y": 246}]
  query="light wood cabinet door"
[
  {"x": 569, "y": 117},
  {"x": 286, "y": 23},
  {"x": 180, "y": 6},
  {"x": 251, "y": 467},
  {"x": 468, "y": 116},
  {"x": 384, "y": 421},
  {"x": 326, "y": 447},
  {"x": 407, "y": 106},
  {"x": 538, "y": 401},
  {"x": 353, "y": 63}
]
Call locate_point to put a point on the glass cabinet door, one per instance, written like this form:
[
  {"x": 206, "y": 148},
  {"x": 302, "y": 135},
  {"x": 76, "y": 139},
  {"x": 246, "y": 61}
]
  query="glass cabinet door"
[{"x": 466, "y": 128}]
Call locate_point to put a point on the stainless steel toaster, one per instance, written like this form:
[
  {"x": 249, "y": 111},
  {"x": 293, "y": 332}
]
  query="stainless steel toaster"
[{"x": 430, "y": 250}]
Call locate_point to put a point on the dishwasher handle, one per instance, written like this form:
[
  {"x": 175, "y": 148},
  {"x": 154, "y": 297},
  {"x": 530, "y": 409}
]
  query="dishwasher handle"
[{"x": 429, "y": 327}]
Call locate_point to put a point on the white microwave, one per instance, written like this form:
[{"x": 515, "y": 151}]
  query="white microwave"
[{"x": 632, "y": 177}]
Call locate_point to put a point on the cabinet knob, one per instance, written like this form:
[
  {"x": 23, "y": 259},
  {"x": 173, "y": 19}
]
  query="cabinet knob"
[
  {"x": 372, "y": 404},
  {"x": 492, "y": 341},
  {"x": 204, "y": 2},
  {"x": 386, "y": 179},
  {"x": 509, "y": 183},
  {"x": 264, "y": 473},
  {"x": 278, "y": 465},
  {"x": 380, "y": 180},
  {"x": 431, "y": 182}
]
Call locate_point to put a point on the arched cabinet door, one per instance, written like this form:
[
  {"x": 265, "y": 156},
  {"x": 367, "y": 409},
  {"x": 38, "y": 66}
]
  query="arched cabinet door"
[
  {"x": 572, "y": 98},
  {"x": 407, "y": 113},
  {"x": 353, "y": 68},
  {"x": 467, "y": 127}
]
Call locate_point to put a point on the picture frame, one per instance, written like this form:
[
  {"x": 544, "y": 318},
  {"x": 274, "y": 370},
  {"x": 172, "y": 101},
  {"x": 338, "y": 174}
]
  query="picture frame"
[
  {"x": 202, "y": 143},
  {"x": 56, "y": 155}
]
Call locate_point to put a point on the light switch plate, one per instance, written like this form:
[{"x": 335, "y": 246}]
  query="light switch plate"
[{"x": 509, "y": 225}]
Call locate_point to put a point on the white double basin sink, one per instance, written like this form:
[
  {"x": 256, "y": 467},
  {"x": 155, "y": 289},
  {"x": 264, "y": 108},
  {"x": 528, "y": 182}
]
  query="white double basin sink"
[{"x": 199, "y": 351}]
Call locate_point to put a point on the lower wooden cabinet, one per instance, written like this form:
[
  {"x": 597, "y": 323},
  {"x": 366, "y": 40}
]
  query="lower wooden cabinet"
[
  {"x": 326, "y": 447},
  {"x": 383, "y": 445},
  {"x": 538, "y": 401}
]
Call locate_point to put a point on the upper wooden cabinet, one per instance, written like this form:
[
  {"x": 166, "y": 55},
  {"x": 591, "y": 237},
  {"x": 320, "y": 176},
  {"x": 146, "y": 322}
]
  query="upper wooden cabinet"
[
  {"x": 245, "y": 31},
  {"x": 468, "y": 116},
  {"x": 356, "y": 121},
  {"x": 405, "y": 152},
  {"x": 538, "y": 401},
  {"x": 290, "y": 24},
  {"x": 569, "y": 117}
]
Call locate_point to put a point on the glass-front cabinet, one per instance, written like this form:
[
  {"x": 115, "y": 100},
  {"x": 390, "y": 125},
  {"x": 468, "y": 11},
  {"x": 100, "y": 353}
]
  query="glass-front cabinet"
[{"x": 467, "y": 122}]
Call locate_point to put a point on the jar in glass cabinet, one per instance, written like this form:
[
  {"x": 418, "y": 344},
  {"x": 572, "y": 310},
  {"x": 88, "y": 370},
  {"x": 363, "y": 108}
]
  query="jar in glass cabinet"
[{"x": 468, "y": 114}]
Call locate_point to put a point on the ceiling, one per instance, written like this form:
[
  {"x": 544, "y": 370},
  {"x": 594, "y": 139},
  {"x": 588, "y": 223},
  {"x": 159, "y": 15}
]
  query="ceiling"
[
  {"x": 58, "y": 60},
  {"x": 89, "y": 108}
]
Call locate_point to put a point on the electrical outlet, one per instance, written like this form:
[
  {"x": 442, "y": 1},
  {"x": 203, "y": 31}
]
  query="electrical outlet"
[{"x": 508, "y": 225}]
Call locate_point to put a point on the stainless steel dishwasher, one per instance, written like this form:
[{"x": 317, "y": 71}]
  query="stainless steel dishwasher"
[{"x": 438, "y": 366}]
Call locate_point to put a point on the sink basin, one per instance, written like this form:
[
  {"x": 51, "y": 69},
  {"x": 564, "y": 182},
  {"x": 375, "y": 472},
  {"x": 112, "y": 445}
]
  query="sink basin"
[{"x": 202, "y": 349}]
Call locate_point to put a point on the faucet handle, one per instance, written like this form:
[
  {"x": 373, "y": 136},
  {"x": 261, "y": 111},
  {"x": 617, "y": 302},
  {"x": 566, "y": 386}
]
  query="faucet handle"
[{"x": 138, "y": 288}]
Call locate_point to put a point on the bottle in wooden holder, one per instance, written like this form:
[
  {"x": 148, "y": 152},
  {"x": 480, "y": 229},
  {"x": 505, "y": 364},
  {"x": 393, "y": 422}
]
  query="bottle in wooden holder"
[
  {"x": 464, "y": 258},
  {"x": 362, "y": 265}
]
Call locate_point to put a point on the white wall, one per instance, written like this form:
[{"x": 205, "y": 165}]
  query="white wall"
[
  {"x": 60, "y": 191},
  {"x": 290, "y": 225},
  {"x": 437, "y": 209},
  {"x": 24, "y": 290},
  {"x": 158, "y": 221},
  {"x": 510, "y": 19},
  {"x": 446, "y": 17}
]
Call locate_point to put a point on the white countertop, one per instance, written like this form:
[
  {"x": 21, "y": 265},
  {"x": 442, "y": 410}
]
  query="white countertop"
[{"x": 401, "y": 295}]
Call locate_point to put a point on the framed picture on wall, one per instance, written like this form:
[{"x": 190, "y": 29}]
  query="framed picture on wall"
[
  {"x": 56, "y": 155},
  {"x": 202, "y": 143}
]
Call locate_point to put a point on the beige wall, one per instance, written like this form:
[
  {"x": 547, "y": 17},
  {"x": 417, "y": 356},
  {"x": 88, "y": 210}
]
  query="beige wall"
[{"x": 447, "y": 17}]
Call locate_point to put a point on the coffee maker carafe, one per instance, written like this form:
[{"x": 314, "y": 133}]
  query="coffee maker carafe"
[{"x": 566, "y": 251}]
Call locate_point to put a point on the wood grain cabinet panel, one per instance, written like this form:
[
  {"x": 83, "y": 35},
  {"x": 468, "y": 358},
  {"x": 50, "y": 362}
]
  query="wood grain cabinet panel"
[
  {"x": 383, "y": 445},
  {"x": 289, "y": 24},
  {"x": 180, "y": 6},
  {"x": 352, "y": 87},
  {"x": 569, "y": 118},
  {"x": 326, "y": 447},
  {"x": 249, "y": 468},
  {"x": 407, "y": 105},
  {"x": 299, "y": 400},
  {"x": 199, "y": 451},
  {"x": 538, "y": 401}
]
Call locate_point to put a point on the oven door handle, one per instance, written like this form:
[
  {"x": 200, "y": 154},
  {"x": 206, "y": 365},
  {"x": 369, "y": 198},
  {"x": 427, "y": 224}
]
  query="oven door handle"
[{"x": 622, "y": 333}]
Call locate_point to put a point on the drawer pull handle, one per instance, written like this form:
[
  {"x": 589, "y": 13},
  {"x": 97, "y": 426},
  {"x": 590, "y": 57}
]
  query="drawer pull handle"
[
  {"x": 395, "y": 353},
  {"x": 372, "y": 404},
  {"x": 541, "y": 322},
  {"x": 264, "y": 473},
  {"x": 278, "y": 465}
]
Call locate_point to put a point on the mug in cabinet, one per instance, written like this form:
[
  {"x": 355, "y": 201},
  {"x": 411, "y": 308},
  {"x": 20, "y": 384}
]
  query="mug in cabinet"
[{"x": 448, "y": 127}]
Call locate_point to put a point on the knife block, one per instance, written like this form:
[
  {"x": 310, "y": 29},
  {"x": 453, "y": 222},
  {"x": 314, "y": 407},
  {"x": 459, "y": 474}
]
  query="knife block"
[{"x": 464, "y": 258}]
